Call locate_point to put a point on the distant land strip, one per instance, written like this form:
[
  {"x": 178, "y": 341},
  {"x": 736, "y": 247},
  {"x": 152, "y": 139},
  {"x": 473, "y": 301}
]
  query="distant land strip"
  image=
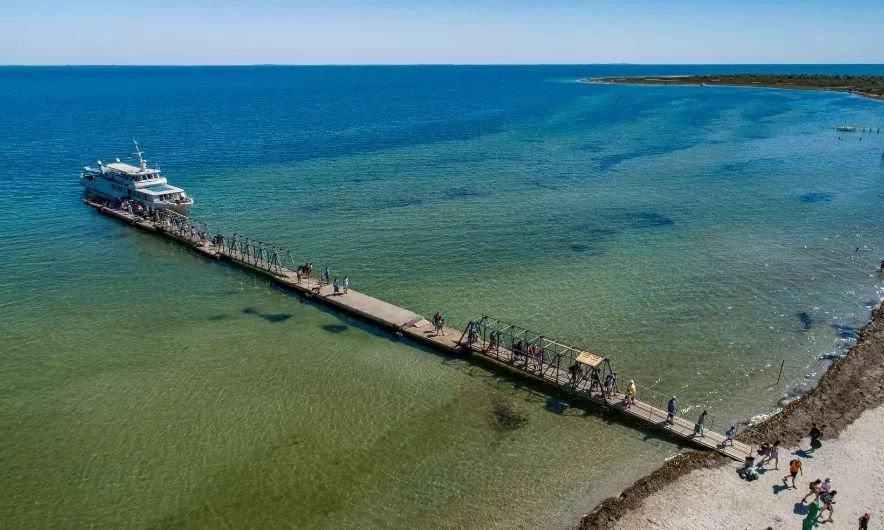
[{"x": 871, "y": 86}]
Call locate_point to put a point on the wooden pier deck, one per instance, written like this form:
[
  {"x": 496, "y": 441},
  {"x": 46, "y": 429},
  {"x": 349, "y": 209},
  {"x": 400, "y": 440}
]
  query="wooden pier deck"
[{"x": 418, "y": 328}]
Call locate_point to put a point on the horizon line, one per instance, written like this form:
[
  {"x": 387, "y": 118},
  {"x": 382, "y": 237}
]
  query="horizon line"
[{"x": 229, "y": 65}]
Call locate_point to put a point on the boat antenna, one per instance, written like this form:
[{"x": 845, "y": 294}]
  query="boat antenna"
[{"x": 141, "y": 161}]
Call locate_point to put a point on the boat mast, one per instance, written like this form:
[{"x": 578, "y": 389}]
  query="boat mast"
[{"x": 141, "y": 161}]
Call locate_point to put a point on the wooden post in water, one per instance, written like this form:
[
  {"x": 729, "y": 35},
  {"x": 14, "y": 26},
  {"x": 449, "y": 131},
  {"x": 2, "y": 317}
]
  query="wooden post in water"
[{"x": 781, "y": 371}]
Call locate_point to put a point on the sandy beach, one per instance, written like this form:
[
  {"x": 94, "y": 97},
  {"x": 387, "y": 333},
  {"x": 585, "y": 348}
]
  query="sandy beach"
[
  {"x": 702, "y": 489},
  {"x": 718, "y": 498}
]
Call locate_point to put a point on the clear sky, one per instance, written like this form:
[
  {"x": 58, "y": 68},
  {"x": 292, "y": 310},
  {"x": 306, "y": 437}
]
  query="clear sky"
[{"x": 440, "y": 31}]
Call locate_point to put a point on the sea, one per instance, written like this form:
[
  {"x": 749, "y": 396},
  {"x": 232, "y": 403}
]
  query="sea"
[{"x": 718, "y": 244}]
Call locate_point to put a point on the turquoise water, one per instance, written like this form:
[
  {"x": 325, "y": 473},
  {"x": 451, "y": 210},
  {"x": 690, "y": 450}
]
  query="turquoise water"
[{"x": 698, "y": 236}]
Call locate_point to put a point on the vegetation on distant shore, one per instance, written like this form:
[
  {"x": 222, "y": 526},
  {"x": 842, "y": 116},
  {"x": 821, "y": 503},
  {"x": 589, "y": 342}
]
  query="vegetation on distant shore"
[{"x": 866, "y": 85}]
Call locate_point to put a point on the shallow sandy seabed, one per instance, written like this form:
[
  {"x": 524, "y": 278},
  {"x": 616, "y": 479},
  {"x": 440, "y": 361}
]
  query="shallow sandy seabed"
[{"x": 718, "y": 498}]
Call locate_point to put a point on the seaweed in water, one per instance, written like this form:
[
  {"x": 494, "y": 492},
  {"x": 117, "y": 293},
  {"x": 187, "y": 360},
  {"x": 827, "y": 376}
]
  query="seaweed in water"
[
  {"x": 461, "y": 192},
  {"x": 650, "y": 220},
  {"x": 334, "y": 328},
  {"x": 508, "y": 419},
  {"x": 578, "y": 248},
  {"x": 278, "y": 317},
  {"x": 846, "y": 332},
  {"x": 805, "y": 319},
  {"x": 815, "y": 196}
]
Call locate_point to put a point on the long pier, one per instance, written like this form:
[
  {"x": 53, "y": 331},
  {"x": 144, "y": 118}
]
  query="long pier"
[{"x": 569, "y": 369}]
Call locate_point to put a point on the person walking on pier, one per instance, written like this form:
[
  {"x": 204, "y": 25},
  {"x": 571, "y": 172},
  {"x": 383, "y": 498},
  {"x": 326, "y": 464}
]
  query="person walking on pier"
[
  {"x": 671, "y": 410},
  {"x": 631, "y": 394},
  {"x": 326, "y": 273},
  {"x": 576, "y": 371},
  {"x": 699, "y": 428},
  {"x": 609, "y": 384},
  {"x": 492, "y": 341},
  {"x": 437, "y": 323},
  {"x": 729, "y": 435},
  {"x": 472, "y": 333},
  {"x": 346, "y": 284}
]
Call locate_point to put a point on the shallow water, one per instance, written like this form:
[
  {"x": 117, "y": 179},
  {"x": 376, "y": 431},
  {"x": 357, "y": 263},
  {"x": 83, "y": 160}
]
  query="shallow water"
[{"x": 698, "y": 236}]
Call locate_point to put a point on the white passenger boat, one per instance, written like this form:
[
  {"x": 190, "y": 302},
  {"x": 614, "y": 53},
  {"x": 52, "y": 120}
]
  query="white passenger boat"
[{"x": 141, "y": 184}]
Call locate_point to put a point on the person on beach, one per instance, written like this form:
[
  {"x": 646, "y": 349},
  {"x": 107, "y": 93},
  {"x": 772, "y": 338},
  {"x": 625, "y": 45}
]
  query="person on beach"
[
  {"x": 773, "y": 453},
  {"x": 864, "y": 521},
  {"x": 794, "y": 469},
  {"x": 826, "y": 485},
  {"x": 729, "y": 435},
  {"x": 828, "y": 500},
  {"x": 814, "y": 490},
  {"x": 671, "y": 411},
  {"x": 816, "y": 433},
  {"x": 813, "y": 513},
  {"x": 748, "y": 471},
  {"x": 763, "y": 451},
  {"x": 699, "y": 427}
]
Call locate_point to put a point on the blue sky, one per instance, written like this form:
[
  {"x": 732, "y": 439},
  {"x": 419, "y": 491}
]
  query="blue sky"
[{"x": 440, "y": 31}]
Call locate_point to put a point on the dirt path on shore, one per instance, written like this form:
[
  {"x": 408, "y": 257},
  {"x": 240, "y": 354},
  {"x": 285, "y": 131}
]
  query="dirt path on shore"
[{"x": 851, "y": 386}]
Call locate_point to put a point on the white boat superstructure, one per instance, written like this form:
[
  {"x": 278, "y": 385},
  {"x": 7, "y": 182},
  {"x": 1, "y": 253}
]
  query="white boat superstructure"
[{"x": 140, "y": 184}]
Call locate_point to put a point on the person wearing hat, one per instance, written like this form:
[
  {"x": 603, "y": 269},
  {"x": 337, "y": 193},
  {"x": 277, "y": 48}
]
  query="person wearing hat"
[
  {"x": 864, "y": 521},
  {"x": 671, "y": 410},
  {"x": 630, "y": 389}
]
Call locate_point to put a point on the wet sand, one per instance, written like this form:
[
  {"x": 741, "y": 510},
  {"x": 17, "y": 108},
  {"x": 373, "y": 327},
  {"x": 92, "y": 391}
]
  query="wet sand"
[{"x": 851, "y": 386}]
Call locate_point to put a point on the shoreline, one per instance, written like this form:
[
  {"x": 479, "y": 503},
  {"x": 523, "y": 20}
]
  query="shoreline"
[
  {"x": 851, "y": 386},
  {"x": 684, "y": 81}
]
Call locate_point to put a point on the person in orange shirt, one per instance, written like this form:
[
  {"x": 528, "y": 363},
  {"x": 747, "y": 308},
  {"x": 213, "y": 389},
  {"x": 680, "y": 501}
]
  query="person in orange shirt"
[{"x": 794, "y": 469}]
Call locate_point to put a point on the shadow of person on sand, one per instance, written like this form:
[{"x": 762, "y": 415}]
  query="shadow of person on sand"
[
  {"x": 801, "y": 453},
  {"x": 777, "y": 488}
]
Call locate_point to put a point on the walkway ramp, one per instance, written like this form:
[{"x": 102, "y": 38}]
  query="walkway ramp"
[{"x": 568, "y": 368}]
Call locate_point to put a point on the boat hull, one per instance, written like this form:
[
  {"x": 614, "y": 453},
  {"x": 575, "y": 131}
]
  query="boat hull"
[{"x": 96, "y": 191}]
